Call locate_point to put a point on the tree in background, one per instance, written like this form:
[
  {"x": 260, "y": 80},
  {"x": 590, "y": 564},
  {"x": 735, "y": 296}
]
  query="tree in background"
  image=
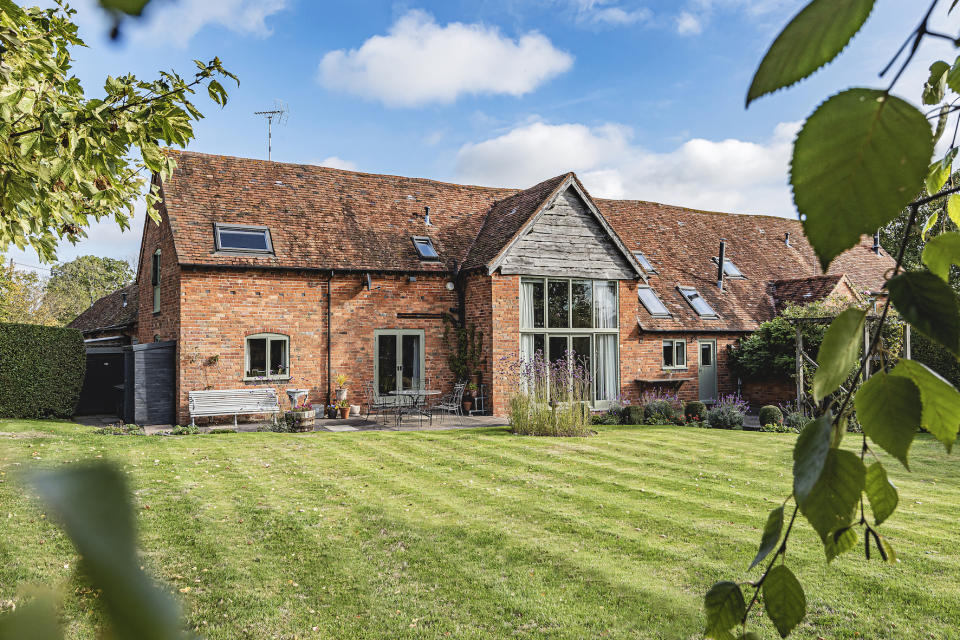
[
  {"x": 22, "y": 296},
  {"x": 74, "y": 286},
  {"x": 67, "y": 160}
]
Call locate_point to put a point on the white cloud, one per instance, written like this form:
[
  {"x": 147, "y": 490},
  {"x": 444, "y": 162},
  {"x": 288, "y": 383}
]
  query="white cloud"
[
  {"x": 178, "y": 22},
  {"x": 688, "y": 24},
  {"x": 727, "y": 175},
  {"x": 420, "y": 61},
  {"x": 602, "y": 12},
  {"x": 335, "y": 162}
]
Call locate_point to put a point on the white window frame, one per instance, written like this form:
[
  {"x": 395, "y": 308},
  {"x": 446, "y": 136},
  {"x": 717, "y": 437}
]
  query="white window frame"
[
  {"x": 417, "y": 241},
  {"x": 727, "y": 262},
  {"x": 219, "y": 227},
  {"x": 155, "y": 275},
  {"x": 678, "y": 347},
  {"x": 569, "y": 331},
  {"x": 664, "y": 314},
  {"x": 690, "y": 294},
  {"x": 644, "y": 261},
  {"x": 269, "y": 337}
]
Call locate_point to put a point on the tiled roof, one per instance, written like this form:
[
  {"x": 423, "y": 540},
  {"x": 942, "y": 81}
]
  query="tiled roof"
[
  {"x": 324, "y": 218},
  {"x": 108, "y": 312},
  {"x": 683, "y": 245},
  {"x": 797, "y": 291}
]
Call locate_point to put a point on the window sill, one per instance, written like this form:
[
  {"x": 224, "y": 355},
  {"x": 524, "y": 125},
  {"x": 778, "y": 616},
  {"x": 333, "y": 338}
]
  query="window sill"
[
  {"x": 267, "y": 379},
  {"x": 683, "y": 368}
]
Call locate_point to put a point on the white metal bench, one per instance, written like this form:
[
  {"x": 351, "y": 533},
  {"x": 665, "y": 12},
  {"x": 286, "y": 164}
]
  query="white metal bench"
[{"x": 233, "y": 402}]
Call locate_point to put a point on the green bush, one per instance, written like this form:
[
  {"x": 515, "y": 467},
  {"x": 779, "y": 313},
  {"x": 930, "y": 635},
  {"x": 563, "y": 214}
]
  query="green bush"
[
  {"x": 659, "y": 412},
  {"x": 776, "y": 427},
  {"x": 120, "y": 430},
  {"x": 795, "y": 420},
  {"x": 726, "y": 417},
  {"x": 185, "y": 430},
  {"x": 695, "y": 411},
  {"x": 613, "y": 416},
  {"x": 634, "y": 414},
  {"x": 41, "y": 371},
  {"x": 770, "y": 414}
]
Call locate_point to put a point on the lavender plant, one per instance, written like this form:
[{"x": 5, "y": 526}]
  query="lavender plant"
[{"x": 550, "y": 398}]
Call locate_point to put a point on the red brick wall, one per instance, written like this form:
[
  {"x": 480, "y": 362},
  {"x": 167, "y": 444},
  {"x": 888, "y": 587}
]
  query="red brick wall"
[
  {"x": 505, "y": 312},
  {"x": 478, "y": 312},
  {"x": 164, "y": 325},
  {"x": 776, "y": 391},
  {"x": 221, "y": 308}
]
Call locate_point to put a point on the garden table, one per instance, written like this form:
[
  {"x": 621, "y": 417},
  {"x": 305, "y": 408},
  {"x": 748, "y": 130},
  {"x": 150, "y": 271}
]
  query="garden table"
[{"x": 417, "y": 398}]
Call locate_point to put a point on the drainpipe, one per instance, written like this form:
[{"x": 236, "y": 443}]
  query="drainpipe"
[
  {"x": 723, "y": 251},
  {"x": 329, "y": 329}
]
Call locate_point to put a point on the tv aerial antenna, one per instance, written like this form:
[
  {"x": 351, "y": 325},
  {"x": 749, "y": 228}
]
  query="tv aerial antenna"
[{"x": 280, "y": 112}]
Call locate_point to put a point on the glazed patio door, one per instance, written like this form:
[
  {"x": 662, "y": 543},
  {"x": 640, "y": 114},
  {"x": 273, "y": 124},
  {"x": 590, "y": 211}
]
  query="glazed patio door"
[{"x": 398, "y": 360}]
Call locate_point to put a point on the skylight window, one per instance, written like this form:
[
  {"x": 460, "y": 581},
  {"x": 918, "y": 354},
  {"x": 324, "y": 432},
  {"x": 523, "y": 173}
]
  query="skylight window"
[
  {"x": 244, "y": 238},
  {"x": 696, "y": 301},
  {"x": 730, "y": 270},
  {"x": 652, "y": 303},
  {"x": 425, "y": 248},
  {"x": 644, "y": 262}
]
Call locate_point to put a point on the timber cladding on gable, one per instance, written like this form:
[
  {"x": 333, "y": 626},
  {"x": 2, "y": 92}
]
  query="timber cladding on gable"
[{"x": 567, "y": 240}]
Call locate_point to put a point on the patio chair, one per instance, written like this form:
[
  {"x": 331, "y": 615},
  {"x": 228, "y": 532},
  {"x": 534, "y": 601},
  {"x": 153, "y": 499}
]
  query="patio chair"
[
  {"x": 375, "y": 403},
  {"x": 452, "y": 403}
]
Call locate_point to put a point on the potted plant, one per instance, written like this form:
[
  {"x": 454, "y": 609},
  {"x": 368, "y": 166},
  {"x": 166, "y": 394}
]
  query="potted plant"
[
  {"x": 303, "y": 416},
  {"x": 341, "y": 381},
  {"x": 344, "y": 408},
  {"x": 468, "y": 392}
]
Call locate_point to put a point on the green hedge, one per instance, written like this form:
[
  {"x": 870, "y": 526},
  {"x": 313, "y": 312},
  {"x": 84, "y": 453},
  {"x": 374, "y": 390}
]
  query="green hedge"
[
  {"x": 924, "y": 350},
  {"x": 41, "y": 371}
]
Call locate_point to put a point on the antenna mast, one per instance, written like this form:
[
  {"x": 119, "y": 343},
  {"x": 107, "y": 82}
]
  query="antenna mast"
[{"x": 279, "y": 112}]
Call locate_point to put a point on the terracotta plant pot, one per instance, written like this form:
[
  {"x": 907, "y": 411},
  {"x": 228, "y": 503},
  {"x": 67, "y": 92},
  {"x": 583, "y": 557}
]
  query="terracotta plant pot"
[
  {"x": 467, "y": 405},
  {"x": 344, "y": 412}
]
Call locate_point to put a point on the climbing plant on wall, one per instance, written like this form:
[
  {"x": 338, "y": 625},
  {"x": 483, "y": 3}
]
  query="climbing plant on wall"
[{"x": 860, "y": 158}]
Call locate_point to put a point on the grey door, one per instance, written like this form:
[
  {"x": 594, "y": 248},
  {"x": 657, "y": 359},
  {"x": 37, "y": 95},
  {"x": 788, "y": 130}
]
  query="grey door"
[
  {"x": 707, "y": 367},
  {"x": 398, "y": 361}
]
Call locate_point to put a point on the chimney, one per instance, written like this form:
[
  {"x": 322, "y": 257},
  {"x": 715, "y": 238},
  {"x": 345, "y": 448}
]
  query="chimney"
[
  {"x": 723, "y": 251},
  {"x": 786, "y": 239},
  {"x": 426, "y": 216},
  {"x": 876, "y": 242},
  {"x": 124, "y": 298}
]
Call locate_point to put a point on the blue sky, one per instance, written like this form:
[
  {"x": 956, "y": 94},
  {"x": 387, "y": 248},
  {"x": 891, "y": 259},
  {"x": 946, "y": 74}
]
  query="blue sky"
[{"x": 643, "y": 99}]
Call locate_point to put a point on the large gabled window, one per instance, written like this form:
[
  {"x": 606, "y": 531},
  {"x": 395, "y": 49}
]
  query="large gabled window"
[
  {"x": 644, "y": 262},
  {"x": 243, "y": 238},
  {"x": 652, "y": 302},
  {"x": 267, "y": 356},
  {"x": 701, "y": 306},
  {"x": 425, "y": 248}
]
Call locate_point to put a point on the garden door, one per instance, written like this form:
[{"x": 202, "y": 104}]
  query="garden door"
[
  {"x": 708, "y": 371},
  {"x": 398, "y": 360}
]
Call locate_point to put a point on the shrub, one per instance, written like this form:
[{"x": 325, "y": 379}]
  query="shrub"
[
  {"x": 186, "y": 430},
  {"x": 659, "y": 412},
  {"x": 41, "y": 371},
  {"x": 634, "y": 415},
  {"x": 769, "y": 414},
  {"x": 221, "y": 430},
  {"x": 695, "y": 411},
  {"x": 776, "y": 427},
  {"x": 728, "y": 413},
  {"x": 613, "y": 416},
  {"x": 792, "y": 417},
  {"x": 120, "y": 430},
  {"x": 550, "y": 397}
]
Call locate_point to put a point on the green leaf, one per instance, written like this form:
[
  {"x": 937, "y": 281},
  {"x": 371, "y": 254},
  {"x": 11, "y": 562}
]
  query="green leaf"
[
  {"x": 36, "y": 620},
  {"x": 91, "y": 502},
  {"x": 725, "y": 608},
  {"x": 838, "y": 352},
  {"x": 942, "y": 122},
  {"x": 859, "y": 159},
  {"x": 936, "y": 84},
  {"x": 953, "y": 208},
  {"x": 832, "y": 501},
  {"x": 810, "y": 455},
  {"x": 784, "y": 600},
  {"x": 939, "y": 172},
  {"x": 930, "y": 305},
  {"x": 887, "y": 552},
  {"x": 941, "y": 401},
  {"x": 812, "y": 39},
  {"x": 771, "y": 535},
  {"x": 881, "y": 493},
  {"x": 941, "y": 252},
  {"x": 953, "y": 76},
  {"x": 888, "y": 407},
  {"x": 931, "y": 220},
  {"x": 838, "y": 542}
]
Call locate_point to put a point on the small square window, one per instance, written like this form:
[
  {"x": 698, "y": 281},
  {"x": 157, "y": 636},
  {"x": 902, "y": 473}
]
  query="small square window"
[
  {"x": 644, "y": 261},
  {"x": 267, "y": 356},
  {"x": 243, "y": 238},
  {"x": 730, "y": 270},
  {"x": 693, "y": 297},
  {"x": 425, "y": 248},
  {"x": 674, "y": 354},
  {"x": 652, "y": 302}
]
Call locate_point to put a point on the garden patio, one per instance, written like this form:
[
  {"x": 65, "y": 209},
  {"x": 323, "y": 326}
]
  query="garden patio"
[{"x": 474, "y": 533}]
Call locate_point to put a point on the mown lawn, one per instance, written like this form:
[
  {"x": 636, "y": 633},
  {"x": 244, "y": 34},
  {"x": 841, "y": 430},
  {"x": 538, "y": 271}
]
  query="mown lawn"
[{"x": 471, "y": 534}]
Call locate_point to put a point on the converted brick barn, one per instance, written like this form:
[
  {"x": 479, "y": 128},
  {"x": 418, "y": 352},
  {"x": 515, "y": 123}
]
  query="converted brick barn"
[{"x": 265, "y": 273}]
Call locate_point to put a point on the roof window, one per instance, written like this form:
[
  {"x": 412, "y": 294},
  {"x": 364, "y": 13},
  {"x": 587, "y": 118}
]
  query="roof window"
[
  {"x": 693, "y": 297},
  {"x": 243, "y": 238},
  {"x": 644, "y": 262},
  {"x": 652, "y": 302},
  {"x": 425, "y": 248},
  {"x": 730, "y": 270}
]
